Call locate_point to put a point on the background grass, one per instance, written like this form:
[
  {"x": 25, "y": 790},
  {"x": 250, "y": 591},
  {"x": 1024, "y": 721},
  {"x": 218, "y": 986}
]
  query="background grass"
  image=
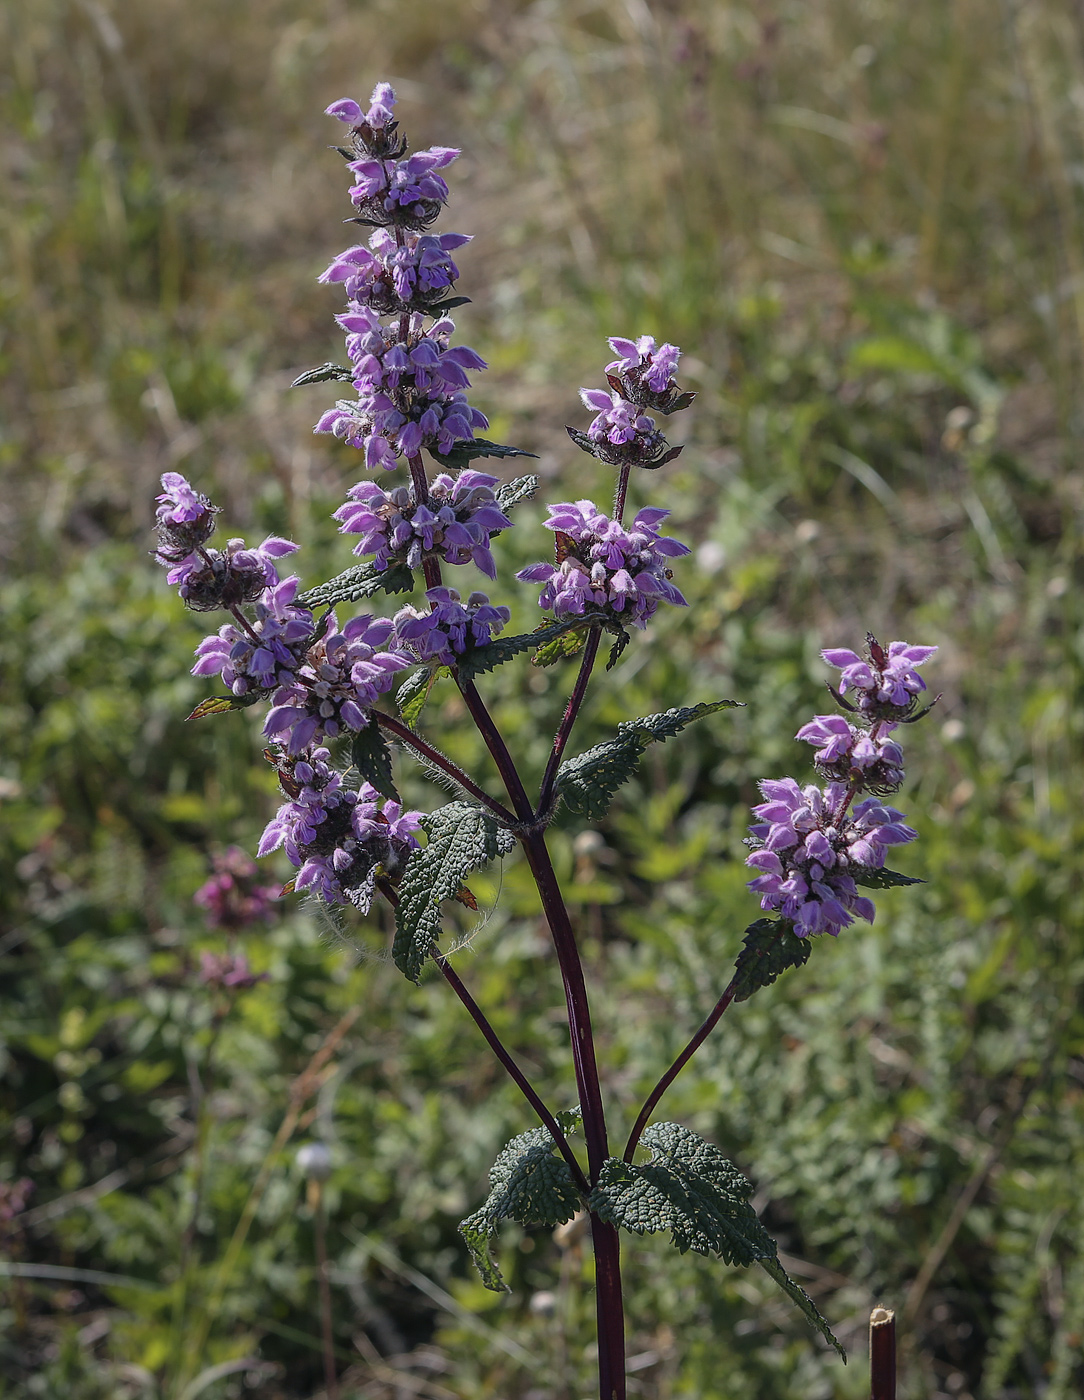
[{"x": 862, "y": 221}]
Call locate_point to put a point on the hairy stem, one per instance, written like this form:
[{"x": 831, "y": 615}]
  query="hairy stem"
[
  {"x": 678, "y": 1065},
  {"x": 494, "y": 742},
  {"x": 407, "y": 736},
  {"x": 564, "y": 732},
  {"x": 622, "y": 488}
]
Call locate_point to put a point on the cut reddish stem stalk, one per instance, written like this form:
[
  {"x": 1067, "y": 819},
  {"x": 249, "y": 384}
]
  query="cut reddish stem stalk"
[{"x": 882, "y": 1354}]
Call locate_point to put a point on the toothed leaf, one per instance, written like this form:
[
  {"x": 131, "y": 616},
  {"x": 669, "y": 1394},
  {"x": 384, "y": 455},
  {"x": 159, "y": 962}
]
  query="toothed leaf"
[
  {"x": 588, "y": 782},
  {"x": 880, "y": 879},
  {"x": 469, "y": 449},
  {"x": 362, "y": 581},
  {"x": 322, "y": 374},
  {"x": 769, "y": 947},
  {"x": 529, "y": 1183},
  {"x": 689, "y": 1188},
  {"x": 475, "y": 660},
  {"x": 462, "y": 838},
  {"x": 511, "y": 493},
  {"x": 222, "y": 704}
]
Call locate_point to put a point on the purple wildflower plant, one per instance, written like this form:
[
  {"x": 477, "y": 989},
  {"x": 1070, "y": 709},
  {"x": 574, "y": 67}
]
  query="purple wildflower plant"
[
  {"x": 602, "y": 565},
  {"x": 449, "y": 627},
  {"x": 455, "y": 525},
  {"x": 185, "y": 519},
  {"x": 622, "y": 433},
  {"x": 232, "y": 898},
  {"x": 846, "y": 753},
  {"x": 336, "y": 684},
  {"x": 339, "y": 840},
  {"x": 392, "y": 278},
  {"x": 645, "y": 374}
]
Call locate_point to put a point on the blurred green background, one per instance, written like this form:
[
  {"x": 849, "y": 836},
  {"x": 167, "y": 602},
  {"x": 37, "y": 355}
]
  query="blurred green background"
[{"x": 863, "y": 222}]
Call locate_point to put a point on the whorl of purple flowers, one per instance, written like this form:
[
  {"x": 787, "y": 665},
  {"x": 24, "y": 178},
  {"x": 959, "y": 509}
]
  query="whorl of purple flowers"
[
  {"x": 456, "y": 524},
  {"x": 339, "y": 840},
  {"x": 444, "y": 631},
  {"x": 811, "y": 842},
  {"x": 622, "y": 432},
  {"x": 391, "y": 278},
  {"x": 601, "y": 564},
  {"x": 268, "y": 651},
  {"x": 336, "y": 684}
]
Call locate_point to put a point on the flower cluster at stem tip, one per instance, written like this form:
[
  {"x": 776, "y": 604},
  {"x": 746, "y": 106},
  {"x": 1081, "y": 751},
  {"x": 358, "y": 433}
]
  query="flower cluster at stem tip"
[
  {"x": 814, "y": 846},
  {"x": 321, "y": 679}
]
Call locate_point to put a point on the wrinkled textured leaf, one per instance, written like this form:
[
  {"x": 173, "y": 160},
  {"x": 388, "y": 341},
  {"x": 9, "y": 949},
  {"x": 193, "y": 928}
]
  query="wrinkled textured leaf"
[
  {"x": 621, "y": 641},
  {"x": 371, "y": 756},
  {"x": 222, "y": 704},
  {"x": 362, "y": 581},
  {"x": 881, "y": 879},
  {"x": 467, "y": 451},
  {"x": 476, "y": 660},
  {"x": 529, "y": 1183},
  {"x": 462, "y": 838},
  {"x": 512, "y": 493},
  {"x": 692, "y": 1190},
  {"x": 588, "y": 782},
  {"x": 322, "y": 374},
  {"x": 769, "y": 947}
]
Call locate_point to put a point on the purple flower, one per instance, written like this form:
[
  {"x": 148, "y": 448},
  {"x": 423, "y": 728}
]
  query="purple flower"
[
  {"x": 213, "y": 578},
  {"x": 456, "y": 525},
  {"x": 268, "y": 652},
  {"x": 886, "y": 684},
  {"x": 377, "y": 117},
  {"x": 185, "y": 520},
  {"x": 391, "y": 279},
  {"x": 601, "y": 564},
  {"x": 444, "y": 632},
  {"x": 807, "y": 848},
  {"x": 644, "y": 374},
  {"x": 338, "y": 840},
  {"x": 406, "y": 192},
  {"x": 868, "y": 759},
  {"x": 621, "y": 432},
  {"x": 409, "y": 391},
  {"x": 231, "y": 897},
  {"x": 336, "y": 684}
]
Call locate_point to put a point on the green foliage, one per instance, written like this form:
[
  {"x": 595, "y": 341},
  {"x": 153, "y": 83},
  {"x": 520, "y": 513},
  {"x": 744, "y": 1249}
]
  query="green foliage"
[
  {"x": 882, "y": 879},
  {"x": 324, "y": 374},
  {"x": 512, "y": 493},
  {"x": 588, "y": 782},
  {"x": 362, "y": 581},
  {"x": 478, "y": 659},
  {"x": 689, "y": 1188},
  {"x": 464, "y": 453},
  {"x": 769, "y": 947},
  {"x": 531, "y": 1184},
  {"x": 370, "y": 755},
  {"x": 462, "y": 838}
]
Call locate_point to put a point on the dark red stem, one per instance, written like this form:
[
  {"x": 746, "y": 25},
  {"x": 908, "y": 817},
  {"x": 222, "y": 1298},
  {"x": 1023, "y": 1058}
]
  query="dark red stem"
[
  {"x": 882, "y": 1354},
  {"x": 561, "y": 738},
  {"x": 622, "y": 488},
  {"x": 678, "y": 1065},
  {"x": 608, "y": 1302},
  {"x": 407, "y": 736},
  {"x": 523, "y": 1084}
]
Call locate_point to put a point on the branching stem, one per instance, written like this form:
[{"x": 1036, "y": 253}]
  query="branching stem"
[
  {"x": 561, "y": 738},
  {"x": 406, "y": 735}
]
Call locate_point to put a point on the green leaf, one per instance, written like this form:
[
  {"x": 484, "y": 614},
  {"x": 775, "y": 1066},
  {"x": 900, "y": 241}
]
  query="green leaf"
[
  {"x": 689, "y": 1188},
  {"x": 222, "y": 704},
  {"x": 475, "y": 660},
  {"x": 462, "y": 838},
  {"x": 880, "y": 879},
  {"x": 511, "y": 493},
  {"x": 769, "y": 947},
  {"x": 469, "y": 449},
  {"x": 797, "y": 1294},
  {"x": 413, "y": 693},
  {"x": 588, "y": 782},
  {"x": 362, "y": 581},
  {"x": 529, "y": 1183},
  {"x": 371, "y": 756},
  {"x": 322, "y": 374}
]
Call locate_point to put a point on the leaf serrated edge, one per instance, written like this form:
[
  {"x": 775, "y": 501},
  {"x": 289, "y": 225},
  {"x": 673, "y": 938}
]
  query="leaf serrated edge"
[{"x": 805, "y": 1304}]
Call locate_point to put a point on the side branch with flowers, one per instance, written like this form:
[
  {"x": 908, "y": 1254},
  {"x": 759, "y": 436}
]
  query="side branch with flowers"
[{"x": 326, "y": 686}]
